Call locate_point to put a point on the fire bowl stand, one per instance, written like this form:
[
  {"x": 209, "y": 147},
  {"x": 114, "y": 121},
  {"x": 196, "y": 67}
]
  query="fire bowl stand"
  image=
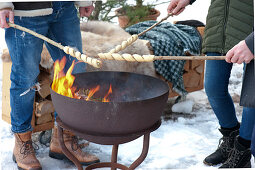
[{"x": 113, "y": 164}]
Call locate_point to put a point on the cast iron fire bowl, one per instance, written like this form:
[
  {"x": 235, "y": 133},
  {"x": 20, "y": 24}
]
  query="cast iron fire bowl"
[{"x": 136, "y": 104}]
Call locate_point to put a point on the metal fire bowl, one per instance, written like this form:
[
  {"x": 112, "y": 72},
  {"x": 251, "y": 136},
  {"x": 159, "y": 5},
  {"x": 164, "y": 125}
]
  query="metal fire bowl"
[{"x": 136, "y": 104}]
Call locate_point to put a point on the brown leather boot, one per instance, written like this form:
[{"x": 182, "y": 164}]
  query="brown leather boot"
[
  {"x": 71, "y": 142},
  {"x": 24, "y": 154}
]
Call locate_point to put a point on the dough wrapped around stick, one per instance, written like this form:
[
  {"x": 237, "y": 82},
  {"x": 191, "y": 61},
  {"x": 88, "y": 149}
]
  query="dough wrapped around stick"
[
  {"x": 126, "y": 57},
  {"x": 124, "y": 44},
  {"x": 92, "y": 61}
]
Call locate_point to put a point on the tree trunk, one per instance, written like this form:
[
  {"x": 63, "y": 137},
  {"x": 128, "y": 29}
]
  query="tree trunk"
[
  {"x": 98, "y": 8},
  {"x": 139, "y": 3}
]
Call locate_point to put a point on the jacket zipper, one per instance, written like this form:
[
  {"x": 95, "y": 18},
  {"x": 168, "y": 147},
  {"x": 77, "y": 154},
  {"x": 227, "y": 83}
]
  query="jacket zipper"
[{"x": 226, "y": 9}]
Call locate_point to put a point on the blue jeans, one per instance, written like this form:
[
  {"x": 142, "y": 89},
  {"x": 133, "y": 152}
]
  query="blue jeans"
[
  {"x": 253, "y": 142},
  {"x": 62, "y": 26},
  {"x": 217, "y": 76}
]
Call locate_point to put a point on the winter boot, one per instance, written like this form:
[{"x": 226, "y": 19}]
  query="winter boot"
[
  {"x": 240, "y": 157},
  {"x": 226, "y": 144},
  {"x": 71, "y": 142},
  {"x": 23, "y": 153}
]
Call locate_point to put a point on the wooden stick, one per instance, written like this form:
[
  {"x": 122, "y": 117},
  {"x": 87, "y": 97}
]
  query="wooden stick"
[
  {"x": 150, "y": 58},
  {"x": 68, "y": 50},
  {"x": 163, "y": 19},
  {"x": 189, "y": 57},
  {"x": 134, "y": 37}
]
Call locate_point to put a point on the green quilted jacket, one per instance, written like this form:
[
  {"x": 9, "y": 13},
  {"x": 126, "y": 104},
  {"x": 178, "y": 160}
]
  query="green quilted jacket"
[{"x": 227, "y": 23}]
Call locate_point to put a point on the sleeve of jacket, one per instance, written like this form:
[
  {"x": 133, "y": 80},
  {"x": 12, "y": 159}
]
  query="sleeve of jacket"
[
  {"x": 83, "y": 3},
  {"x": 250, "y": 42},
  {"x": 6, "y": 5},
  {"x": 191, "y": 2}
]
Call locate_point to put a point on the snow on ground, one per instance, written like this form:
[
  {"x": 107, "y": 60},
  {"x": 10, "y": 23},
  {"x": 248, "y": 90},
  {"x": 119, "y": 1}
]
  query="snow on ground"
[{"x": 180, "y": 144}]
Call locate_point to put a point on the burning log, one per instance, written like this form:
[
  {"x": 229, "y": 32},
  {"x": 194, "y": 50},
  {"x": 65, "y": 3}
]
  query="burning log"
[
  {"x": 84, "y": 94},
  {"x": 88, "y": 94}
]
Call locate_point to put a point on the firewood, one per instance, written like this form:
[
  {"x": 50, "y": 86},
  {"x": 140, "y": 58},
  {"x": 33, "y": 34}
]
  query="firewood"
[
  {"x": 200, "y": 69},
  {"x": 44, "y": 119},
  {"x": 191, "y": 79},
  {"x": 46, "y": 60},
  {"x": 187, "y": 66},
  {"x": 44, "y": 107},
  {"x": 6, "y": 56},
  {"x": 196, "y": 63},
  {"x": 45, "y": 81},
  {"x": 201, "y": 30}
]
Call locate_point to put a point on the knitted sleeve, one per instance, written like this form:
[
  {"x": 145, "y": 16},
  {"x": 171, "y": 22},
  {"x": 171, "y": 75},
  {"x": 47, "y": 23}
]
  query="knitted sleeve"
[{"x": 6, "y": 5}]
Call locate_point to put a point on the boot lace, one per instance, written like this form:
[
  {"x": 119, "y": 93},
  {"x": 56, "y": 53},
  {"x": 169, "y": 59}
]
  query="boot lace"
[
  {"x": 28, "y": 148},
  {"x": 225, "y": 145},
  {"x": 75, "y": 144},
  {"x": 234, "y": 157}
]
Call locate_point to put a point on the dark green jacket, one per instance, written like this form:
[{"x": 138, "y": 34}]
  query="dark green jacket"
[
  {"x": 228, "y": 22},
  {"x": 248, "y": 87}
]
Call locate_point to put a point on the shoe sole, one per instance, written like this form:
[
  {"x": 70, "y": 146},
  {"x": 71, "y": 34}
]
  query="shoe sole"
[
  {"x": 248, "y": 165},
  {"x": 19, "y": 168},
  {"x": 211, "y": 164},
  {"x": 206, "y": 163},
  {"x": 60, "y": 156}
]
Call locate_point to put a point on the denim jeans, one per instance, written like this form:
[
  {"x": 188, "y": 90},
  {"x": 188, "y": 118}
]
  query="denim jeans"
[
  {"x": 62, "y": 26},
  {"x": 217, "y": 76},
  {"x": 253, "y": 142}
]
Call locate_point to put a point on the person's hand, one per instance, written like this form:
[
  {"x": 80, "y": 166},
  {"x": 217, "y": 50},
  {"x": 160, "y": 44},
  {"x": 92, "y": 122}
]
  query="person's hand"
[
  {"x": 86, "y": 11},
  {"x": 4, "y": 14},
  {"x": 177, "y": 6},
  {"x": 239, "y": 53}
]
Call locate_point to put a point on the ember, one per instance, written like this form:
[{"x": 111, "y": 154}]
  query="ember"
[
  {"x": 88, "y": 95},
  {"x": 63, "y": 84}
]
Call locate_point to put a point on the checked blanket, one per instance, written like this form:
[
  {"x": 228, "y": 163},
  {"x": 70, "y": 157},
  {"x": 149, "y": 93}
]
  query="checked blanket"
[{"x": 170, "y": 40}]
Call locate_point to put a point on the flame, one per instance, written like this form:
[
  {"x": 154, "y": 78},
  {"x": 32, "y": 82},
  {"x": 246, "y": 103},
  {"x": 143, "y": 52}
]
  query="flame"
[
  {"x": 109, "y": 92},
  {"x": 63, "y": 83},
  {"x": 92, "y": 92}
]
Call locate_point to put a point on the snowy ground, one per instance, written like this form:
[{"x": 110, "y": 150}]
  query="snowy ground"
[{"x": 180, "y": 144}]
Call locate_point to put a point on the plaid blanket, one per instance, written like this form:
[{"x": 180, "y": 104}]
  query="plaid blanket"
[{"x": 170, "y": 40}]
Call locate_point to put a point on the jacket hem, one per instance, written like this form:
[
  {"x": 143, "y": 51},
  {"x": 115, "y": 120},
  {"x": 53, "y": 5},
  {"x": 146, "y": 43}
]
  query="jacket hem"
[
  {"x": 33, "y": 13},
  {"x": 83, "y": 3}
]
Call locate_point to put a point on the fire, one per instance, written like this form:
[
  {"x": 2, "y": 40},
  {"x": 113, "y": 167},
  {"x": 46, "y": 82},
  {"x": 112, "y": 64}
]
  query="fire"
[
  {"x": 92, "y": 92},
  {"x": 63, "y": 83},
  {"x": 108, "y": 93}
]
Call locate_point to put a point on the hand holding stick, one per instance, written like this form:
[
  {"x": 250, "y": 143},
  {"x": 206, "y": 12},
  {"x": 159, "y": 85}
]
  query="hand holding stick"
[{"x": 68, "y": 50}]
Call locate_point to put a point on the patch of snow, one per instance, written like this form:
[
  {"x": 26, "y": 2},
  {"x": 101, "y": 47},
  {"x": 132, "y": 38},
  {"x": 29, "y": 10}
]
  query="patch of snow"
[{"x": 183, "y": 107}]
